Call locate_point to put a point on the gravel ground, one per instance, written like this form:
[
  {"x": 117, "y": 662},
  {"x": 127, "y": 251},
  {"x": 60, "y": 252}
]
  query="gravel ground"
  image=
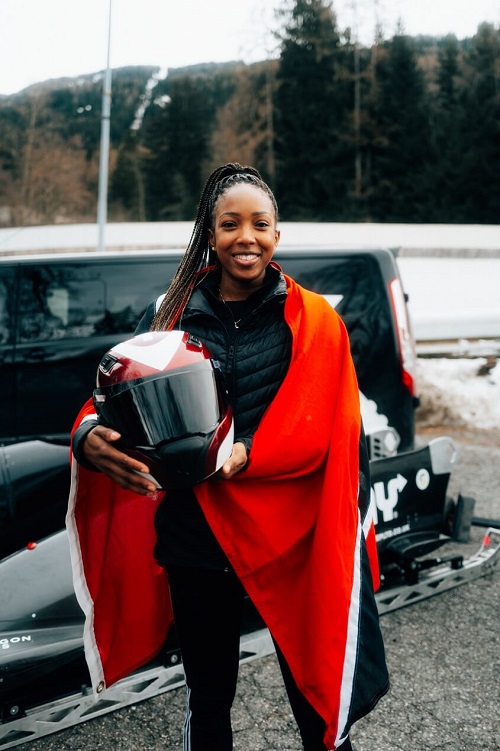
[{"x": 443, "y": 655}]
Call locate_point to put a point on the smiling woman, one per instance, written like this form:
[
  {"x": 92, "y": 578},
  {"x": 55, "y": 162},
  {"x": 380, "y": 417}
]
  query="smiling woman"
[{"x": 262, "y": 526}]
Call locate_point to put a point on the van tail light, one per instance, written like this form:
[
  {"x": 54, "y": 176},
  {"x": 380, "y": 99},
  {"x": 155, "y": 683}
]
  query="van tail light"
[{"x": 407, "y": 352}]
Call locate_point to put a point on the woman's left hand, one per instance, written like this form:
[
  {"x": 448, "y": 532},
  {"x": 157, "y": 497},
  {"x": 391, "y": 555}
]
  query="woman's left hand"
[{"x": 235, "y": 463}]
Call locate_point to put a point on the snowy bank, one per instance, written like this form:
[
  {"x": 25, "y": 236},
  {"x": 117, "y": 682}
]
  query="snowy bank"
[{"x": 459, "y": 392}]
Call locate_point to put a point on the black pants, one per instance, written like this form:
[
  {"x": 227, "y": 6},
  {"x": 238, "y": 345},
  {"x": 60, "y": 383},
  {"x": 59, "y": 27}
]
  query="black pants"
[{"x": 208, "y": 607}]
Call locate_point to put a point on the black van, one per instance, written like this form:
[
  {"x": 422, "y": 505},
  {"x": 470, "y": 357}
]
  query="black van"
[{"x": 59, "y": 313}]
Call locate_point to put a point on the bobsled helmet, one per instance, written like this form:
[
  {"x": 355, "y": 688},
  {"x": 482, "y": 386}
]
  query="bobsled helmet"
[{"x": 164, "y": 393}]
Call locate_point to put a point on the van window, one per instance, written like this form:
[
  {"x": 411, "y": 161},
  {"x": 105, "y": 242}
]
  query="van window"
[
  {"x": 56, "y": 302},
  {"x": 130, "y": 286},
  {"x": 67, "y": 301}
]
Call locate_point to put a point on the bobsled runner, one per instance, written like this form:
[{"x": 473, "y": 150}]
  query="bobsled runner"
[{"x": 44, "y": 683}]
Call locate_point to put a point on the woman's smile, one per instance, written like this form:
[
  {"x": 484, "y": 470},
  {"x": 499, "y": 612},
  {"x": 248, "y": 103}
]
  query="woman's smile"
[{"x": 246, "y": 259}]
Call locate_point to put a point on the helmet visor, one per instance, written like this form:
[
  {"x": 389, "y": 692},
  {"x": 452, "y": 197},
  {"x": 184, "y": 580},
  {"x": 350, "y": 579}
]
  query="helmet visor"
[{"x": 152, "y": 411}]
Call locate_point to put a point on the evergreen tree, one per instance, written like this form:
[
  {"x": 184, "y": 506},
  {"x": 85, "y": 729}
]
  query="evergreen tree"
[
  {"x": 244, "y": 127},
  {"x": 178, "y": 131},
  {"x": 399, "y": 176},
  {"x": 127, "y": 190},
  {"x": 312, "y": 105},
  {"x": 445, "y": 172},
  {"x": 479, "y": 186}
]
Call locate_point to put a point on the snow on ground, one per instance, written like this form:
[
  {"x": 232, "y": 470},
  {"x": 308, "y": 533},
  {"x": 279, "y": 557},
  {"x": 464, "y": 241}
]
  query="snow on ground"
[{"x": 459, "y": 392}]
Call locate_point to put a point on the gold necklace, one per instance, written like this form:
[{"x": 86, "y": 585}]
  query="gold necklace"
[{"x": 236, "y": 322}]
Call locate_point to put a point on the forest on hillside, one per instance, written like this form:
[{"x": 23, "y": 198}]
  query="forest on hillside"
[{"x": 405, "y": 130}]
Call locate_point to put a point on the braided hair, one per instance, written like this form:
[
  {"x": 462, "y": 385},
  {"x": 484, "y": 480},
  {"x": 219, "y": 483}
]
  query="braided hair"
[{"x": 199, "y": 254}]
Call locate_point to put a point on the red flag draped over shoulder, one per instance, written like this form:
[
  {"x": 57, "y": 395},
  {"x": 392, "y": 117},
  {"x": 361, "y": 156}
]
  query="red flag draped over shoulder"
[
  {"x": 290, "y": 525},
  {"x": 120, "y": 588}
]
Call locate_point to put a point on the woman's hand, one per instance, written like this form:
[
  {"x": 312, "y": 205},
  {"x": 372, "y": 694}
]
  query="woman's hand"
[
  {"x": 236, "y": 461},
  {"x": 99, "y": 450}
]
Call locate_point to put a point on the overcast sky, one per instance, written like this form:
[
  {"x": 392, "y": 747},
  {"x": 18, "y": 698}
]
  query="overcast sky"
[{"x": 42, "y": 39}]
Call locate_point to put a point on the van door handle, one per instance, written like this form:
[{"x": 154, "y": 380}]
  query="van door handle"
[{"x": 38, "y": 353}]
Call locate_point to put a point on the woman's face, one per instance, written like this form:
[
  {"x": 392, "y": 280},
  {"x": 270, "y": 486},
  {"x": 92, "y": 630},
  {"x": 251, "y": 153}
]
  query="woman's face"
[{"x": 244, "y": 236}]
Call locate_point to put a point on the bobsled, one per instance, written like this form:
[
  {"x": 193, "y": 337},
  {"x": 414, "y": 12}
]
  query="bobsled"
[{"x": 44, "y": 683}]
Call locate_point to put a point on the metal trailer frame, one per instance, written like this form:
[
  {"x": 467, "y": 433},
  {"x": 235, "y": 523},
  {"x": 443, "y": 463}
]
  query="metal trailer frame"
[{"x": 153, "y": 681}]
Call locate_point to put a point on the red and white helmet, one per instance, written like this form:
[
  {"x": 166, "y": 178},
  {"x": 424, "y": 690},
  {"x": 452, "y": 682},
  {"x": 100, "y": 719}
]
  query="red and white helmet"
[{"x": 163, "y": 392}]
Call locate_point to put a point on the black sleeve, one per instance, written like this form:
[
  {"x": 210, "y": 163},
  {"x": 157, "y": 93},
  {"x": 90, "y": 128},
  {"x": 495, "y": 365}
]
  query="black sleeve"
[
  {"x": 246, "y": 441},
  {"x": 78, "y": 440}
]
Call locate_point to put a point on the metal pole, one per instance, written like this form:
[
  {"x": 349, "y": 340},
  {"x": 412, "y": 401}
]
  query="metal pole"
[
  {"x": 357, "y": 106},
  {"x": 102, "y": 196}
]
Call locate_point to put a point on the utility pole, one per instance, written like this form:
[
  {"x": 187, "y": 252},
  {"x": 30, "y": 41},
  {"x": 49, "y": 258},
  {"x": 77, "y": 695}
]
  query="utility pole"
[
  {"x": 357, "y": 107},
  {"x": 102, "y": 195},
  {"x": 271, "y": 162}
]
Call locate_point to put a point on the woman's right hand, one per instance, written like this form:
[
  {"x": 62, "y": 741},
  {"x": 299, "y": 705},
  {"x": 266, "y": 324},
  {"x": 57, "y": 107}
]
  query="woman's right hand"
[{"x": 99, "y": 450}]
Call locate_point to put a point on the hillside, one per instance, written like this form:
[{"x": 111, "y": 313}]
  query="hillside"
[{"x": 412, "y": 136}]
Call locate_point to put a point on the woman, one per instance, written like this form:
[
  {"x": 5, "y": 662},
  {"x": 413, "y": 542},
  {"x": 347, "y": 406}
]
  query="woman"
[{"x": 286, "y": 519}]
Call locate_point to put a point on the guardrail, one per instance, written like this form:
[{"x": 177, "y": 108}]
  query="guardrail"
[{"x": 459, "y": 348}]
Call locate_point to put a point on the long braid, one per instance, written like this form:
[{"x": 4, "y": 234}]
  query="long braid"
[{"x": 198, "y": 253}]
